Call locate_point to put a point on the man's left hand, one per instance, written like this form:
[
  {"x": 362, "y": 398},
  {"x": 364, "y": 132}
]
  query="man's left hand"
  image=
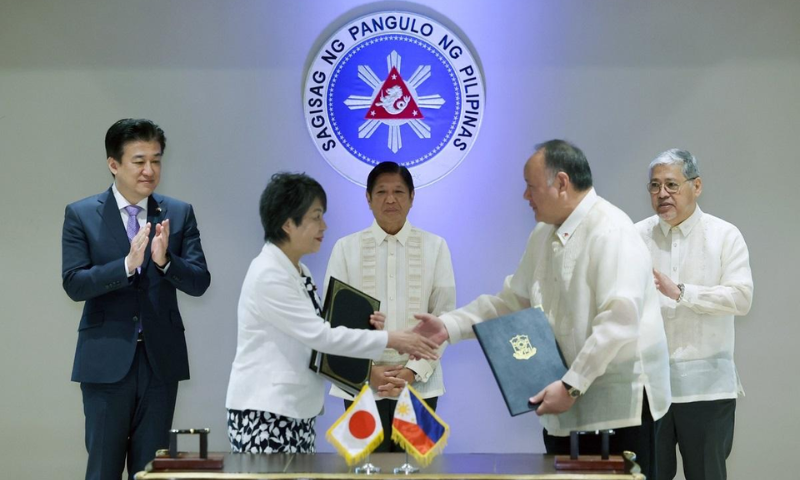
[
  {"x": 665, "y": 285},
  {"x": 377, "y": 320},
  {"x": 554, "y": 399},
  {"x": 158, "y": 247}
]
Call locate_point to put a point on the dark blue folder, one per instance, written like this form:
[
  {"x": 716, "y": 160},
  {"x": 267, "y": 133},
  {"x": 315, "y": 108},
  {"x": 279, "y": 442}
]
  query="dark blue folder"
[{"x": 523, "y": 354}]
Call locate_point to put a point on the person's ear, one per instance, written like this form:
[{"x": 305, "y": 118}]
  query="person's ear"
[
  {"x": 113, "y": 166},
  {"x": 562, "y": 182},
  {"x": 288, "y": 226}
]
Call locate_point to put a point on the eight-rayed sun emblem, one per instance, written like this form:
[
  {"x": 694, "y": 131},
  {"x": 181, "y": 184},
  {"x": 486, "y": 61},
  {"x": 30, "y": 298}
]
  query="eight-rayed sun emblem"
[
  {"x": 362, "y": 107},
  {"x": 394, "y": 102}
]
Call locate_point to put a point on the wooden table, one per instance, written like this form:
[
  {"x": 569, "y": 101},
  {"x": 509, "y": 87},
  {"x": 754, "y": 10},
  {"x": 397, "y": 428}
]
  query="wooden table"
[{"x": 329, "y": 466}]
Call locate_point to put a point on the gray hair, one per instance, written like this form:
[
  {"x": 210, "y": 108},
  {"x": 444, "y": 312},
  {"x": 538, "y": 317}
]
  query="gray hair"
[{"x": 676, "y": 156}]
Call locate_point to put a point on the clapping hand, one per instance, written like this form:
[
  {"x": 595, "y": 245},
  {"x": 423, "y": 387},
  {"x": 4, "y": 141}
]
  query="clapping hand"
[
  {"x": 135, "y": 257},
  {"x": 158, "y": 248},
  {"x": 665, "y": 285}
]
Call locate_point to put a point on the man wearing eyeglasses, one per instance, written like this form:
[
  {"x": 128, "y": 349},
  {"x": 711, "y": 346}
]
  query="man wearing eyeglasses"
[{"x": 702, "y": 269}]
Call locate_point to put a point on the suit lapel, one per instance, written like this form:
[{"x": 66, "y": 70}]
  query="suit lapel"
[
  {"x": 155, "y": 214},
  {"x": 109, "y": 212}
]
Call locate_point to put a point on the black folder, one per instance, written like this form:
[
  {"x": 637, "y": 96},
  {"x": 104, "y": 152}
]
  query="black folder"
[
  {"x": 349, "y": 307},
  {"x": 523, "y": 354}
]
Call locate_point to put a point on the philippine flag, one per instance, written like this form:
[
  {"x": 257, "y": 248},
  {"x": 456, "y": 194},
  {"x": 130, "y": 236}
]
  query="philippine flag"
[
  {"x": 359, "y": 430},
  {"x": 417, "y": 428}
]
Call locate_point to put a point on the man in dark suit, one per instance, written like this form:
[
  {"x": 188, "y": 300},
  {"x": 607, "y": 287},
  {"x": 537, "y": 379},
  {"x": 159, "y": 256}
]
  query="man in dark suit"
[{"x": 125, "y": 252}]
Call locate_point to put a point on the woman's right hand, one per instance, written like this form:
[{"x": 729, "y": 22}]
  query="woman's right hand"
[{"x": 413, "y": 344}]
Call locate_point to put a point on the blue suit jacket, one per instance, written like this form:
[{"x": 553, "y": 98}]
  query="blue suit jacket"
[{"x": 94, "y": 246}]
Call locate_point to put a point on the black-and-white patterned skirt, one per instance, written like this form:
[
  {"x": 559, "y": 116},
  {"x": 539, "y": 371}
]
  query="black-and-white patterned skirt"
[{"x": 254, "y": 431}]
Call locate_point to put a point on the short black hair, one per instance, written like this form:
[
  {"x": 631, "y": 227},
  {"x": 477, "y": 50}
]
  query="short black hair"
[
  {"x": 563, "y": 156},
  {"x": 389, "y": 167},
  {"x": 132, "y": 130},
  {"x": 288, "y": 195}
]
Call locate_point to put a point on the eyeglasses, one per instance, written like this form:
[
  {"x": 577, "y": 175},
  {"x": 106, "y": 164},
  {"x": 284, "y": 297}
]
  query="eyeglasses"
[{"x": 670, "y": 187}]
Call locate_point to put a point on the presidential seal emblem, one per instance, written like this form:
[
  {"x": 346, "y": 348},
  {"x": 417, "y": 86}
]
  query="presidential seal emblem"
[{"x": 394, "y": 86}]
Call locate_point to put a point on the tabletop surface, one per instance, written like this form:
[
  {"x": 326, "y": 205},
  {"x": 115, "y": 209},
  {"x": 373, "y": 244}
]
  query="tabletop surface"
[{"x": 329, "y": 466}]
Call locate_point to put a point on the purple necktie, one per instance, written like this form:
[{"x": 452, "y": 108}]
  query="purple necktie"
[
  {"x": 133, "y": 229},
  {"x": 133, "y": 222}
]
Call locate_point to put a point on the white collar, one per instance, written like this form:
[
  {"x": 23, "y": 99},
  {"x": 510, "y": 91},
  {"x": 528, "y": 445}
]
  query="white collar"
[
  {"x": 380, "y": 235},
  {"x": 285, "y": 262},
  {"x": 565, "y": 231},
  {"x": 685, "y": 226},
  {"x": 122, "y": 202}
]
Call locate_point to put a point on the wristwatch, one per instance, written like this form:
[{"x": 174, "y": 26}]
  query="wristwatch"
[
  {"x": 571, "y": 391},
  {"x": 682, "y": 288}
]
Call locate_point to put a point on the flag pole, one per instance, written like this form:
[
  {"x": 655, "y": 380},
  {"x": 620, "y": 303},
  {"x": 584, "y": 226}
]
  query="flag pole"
[
  {"x": 368, "y": 468},
  {"x": 406, "y": 468}
]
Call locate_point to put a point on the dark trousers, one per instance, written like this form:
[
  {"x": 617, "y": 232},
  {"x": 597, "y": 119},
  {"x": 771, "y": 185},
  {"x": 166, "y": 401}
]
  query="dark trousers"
[
  {"x": 386, "y": 411},
  {"x": 704, "y": 433},
  {"x": 640, "y": 440},
  {"x": 130, "y": 418}
]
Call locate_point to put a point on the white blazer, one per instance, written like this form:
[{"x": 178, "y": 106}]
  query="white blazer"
[{"x": 277, "y": 329}]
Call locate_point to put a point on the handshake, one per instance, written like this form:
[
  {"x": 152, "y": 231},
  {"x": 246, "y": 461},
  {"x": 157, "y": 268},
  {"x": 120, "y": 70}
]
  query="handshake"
[{"x": 420, "y": 342}]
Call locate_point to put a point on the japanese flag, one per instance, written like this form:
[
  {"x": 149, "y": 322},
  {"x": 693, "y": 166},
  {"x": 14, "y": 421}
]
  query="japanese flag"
[{"x": 359, "y": 430}]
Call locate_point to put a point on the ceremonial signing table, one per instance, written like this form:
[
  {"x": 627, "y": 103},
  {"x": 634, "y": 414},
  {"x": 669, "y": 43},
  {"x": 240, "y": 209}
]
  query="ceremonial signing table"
[{"x": 328, "y": 466}]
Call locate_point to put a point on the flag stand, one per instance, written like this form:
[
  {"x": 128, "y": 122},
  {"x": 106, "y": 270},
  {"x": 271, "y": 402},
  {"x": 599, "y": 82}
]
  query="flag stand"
[
  {"x": 368, "y": 468},
  {"x": 406, "y": 468}
]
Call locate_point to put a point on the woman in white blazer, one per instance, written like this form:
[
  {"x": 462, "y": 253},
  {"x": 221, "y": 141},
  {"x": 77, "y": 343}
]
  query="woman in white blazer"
[{"x": 273, "y": 397}]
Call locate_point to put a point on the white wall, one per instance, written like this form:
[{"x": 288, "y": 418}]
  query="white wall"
[{"x": 623, "y": 79}]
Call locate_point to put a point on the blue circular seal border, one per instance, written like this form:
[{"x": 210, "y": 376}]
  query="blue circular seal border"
[{"x": 345, "y": 81}]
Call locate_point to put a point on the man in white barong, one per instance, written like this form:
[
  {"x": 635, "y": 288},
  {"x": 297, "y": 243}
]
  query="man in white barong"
[
  {"x": 589, "y": 269},
  {"x": 409, "y": 270},
  {"x": 702, "y": 269}
]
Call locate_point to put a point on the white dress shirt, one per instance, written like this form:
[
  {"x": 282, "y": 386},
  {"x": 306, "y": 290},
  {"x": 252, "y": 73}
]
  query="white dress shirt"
[
  {"x": 410, "y": 272},
  {"x": 709, "y": 256},
  {"x": 277, "y": 329},
  {"x": 592, "y": 276}
]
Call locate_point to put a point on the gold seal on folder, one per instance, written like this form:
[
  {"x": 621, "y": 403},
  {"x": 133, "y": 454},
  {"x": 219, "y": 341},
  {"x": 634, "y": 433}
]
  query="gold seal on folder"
[{"x": 523, "y": 349}]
